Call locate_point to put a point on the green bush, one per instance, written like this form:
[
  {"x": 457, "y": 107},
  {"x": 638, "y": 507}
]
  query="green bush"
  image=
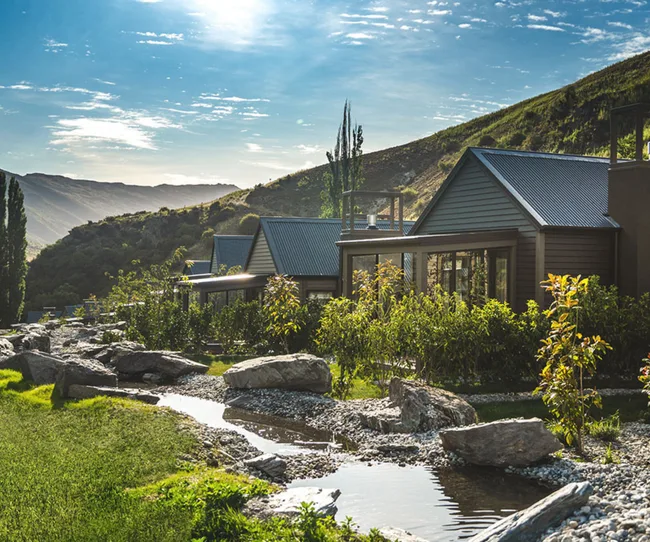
[
  {"x": 109, "y": 336},
  {"x": 607, "y": 429},
  {"x": 248, "y": 224}
]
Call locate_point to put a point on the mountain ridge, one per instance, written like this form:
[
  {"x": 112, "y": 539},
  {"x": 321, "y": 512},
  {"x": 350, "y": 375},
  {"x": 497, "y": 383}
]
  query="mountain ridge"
[{"x": 573, "y": 119}]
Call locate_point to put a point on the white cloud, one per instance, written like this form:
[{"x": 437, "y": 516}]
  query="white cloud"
[
  {"x": 620, "y": 25},
  {"x": 464, "y": 25},
  {"x": 536, "y": 18},
  {"x": 546, "y": 27},
  {"x": 54, "y": 44},
  {"x": 175, "y": 37},
  {"x": 155, "y": 42},
  {"x": 87, "y": 130},
  {"x": 182, "y": 179},
  {"x": 360, "y": 36},
  {"x": 254, "y": 147},
  {"x": 555, "y": 14},
  {"x": 630, "y": 47},
  {"x": 356, "y": 16},
  {"x": 309, "y": 149},
  {"x": 253, "y": 114},
  {"x": 439, "y": 12}
]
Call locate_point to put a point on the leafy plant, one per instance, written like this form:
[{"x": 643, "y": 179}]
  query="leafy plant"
[
  {"x": 568, "y": 358},
  {"x": 645, "y": 376},
  {"x": 109, "y": 336},
  {"x": 607, "y": 429},
  {"x": 610, "y": 457},
  {"x": 282, "y": 308}
]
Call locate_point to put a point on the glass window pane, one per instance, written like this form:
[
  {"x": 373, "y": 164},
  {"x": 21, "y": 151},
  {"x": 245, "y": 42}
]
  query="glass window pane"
[
  {"x": 440, "y": 270},
  {"x": 501, "y": 277},
  {"x": 365, "y": 263},
  {"x": 395, "y": 259},
  {"x": 462, "y": 274},
  {"x": 410, "y": 268}
]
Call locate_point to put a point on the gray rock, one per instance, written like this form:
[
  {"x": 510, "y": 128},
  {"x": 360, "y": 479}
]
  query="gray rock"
[
  {"x": 85, "y": 372},
  {"x": 35, "y": 341},
  {"x": 504, "y": 443},
  {"x": 529, "y": 524},
  {"x": 287, "y": 503},
  {"x": 152, "y": 378},
  {"x": 298, "y": 372},
  {"x": 15, "y": 339},
  {"x": 399, "y": 535},
  {"x": 166, "y": 364},
  {"x": 416, "y": 407},
  {"x": 6, "y": 348},
  {"x": 80, "y": 391},
  {"x": 270, "y": 464},
  {"x": 36, "y": 366}
]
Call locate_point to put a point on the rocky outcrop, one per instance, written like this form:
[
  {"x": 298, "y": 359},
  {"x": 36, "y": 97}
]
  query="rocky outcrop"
[
  {"x": 80, "y": 391},
  {"x": 415, "y": 407},
  {"x": 503, "y": 443},
  {"x": 287, "y": 503},
  {"x": 297, "y": 372},
  {"x": 109, "y": 353},
  {"x": 36, "y": 366},
  {"x": 36, "y": 341},
  {"x": 270, "y": 464},
  {"x": 134, "y": 364},
  {"x": 85, "y": 372},
  {"x": 529, "y": 524},
  {"x": 399, "y": 535},
  {"x": 6, "y": 348}
]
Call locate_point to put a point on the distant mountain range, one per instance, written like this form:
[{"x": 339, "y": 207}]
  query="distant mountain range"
[{"x": 55, "y": 204}]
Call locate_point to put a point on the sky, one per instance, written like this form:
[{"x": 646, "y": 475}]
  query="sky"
[{"x": 244, "y": 91}]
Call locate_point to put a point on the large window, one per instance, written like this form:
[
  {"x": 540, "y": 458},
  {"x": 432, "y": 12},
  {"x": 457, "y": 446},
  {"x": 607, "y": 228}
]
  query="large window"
[{"x": 473, "y": 275}]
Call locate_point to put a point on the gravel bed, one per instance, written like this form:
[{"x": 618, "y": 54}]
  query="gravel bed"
[{"x": 485, "y": 398}]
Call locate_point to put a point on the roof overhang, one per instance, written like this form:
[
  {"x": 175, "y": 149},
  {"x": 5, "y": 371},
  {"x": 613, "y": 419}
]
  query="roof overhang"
[
  {"x": 478, "y": 238},
  {"x": 225, "y": 283}
]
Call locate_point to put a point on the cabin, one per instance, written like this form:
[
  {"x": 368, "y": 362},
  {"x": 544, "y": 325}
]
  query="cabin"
[{"x": 508, "y": 218}]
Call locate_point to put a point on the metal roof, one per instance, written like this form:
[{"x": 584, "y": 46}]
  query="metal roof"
[
  {"x": 198, "y": 267},
  {"x": 555, "y": 189},
  {"x": 230, "y": 250},
  {"x": 307, "y": 246}
]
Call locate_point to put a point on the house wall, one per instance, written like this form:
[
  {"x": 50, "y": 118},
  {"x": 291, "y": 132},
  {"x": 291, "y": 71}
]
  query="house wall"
[
  {"x": 474, "y": 201},
  {"x": 317, "y": 285},
  {"x": 261, "y": 261},
  {"x": 580, "y": 253}
]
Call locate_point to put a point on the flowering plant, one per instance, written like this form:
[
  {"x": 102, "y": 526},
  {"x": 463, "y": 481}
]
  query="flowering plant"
[{"x": 645, "y": 376}]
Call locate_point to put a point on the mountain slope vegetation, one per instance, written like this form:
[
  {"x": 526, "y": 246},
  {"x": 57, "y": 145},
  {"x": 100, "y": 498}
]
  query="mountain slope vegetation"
[
  {"x": 573, "y": 119},
  {"x": 56, "y": 204}
]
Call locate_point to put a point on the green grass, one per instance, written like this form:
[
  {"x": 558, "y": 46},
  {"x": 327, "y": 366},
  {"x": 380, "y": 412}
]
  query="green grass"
[
  {"x": 218, "y": 364},
  {"x": 108, "y": 469},
  {"x": 361, "y": 388},
  {"x": 630, "y": 408}
]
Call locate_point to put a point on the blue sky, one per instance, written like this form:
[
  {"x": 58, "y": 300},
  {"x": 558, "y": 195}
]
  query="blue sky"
[{"x": 243, "y": 91}]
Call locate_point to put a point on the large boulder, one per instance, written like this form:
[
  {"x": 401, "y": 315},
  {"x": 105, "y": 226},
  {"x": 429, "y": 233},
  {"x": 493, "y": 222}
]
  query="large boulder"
[
  {"x": 287, "y": 504},
  {"x": 6, "y": 348},
  {"x": 83, "y": 371},
  {"x": 503, "y": 443},
  {"x": 298, "y": 372},
  {"x": 36, "y": 341},
  {"x": 415, "y": 407},
  {"x": 269, "y": 464},
  {"x": 36, "y": 366},
  {"x": 134, "y": 364},
  {"x": 80, "y": 391},
  {"x": 530, "y": 524}
]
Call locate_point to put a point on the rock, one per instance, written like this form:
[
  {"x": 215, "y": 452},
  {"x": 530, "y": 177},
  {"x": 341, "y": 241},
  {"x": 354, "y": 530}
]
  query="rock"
[
  {"x": 287, "y": 503},
  {"x": 36, "y": 366},
  {"x": 416, "y": 407},
  {"x": 529, "y": 524},
  {"x": 504, "y": 443},
  {"x": 298, "y": 372},
  {"x": 6, "y": 348},
  {"x": 85, "y": 372},
  {"x": 152, "y": 378},
  {"x": 80, "y": 391},
  {"x": 15, "y": 339},
  {"x": 399, "y": 535},
  {"x": 270, "y": 464},
  {"x": 35, "y": 341},
  {"x": 166, "y": 364}
]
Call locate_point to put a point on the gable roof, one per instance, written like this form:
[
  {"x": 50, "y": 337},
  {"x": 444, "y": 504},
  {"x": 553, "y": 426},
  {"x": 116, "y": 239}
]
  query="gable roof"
[
  {"x": 554, "y": 190},
  {"x": 230, "y": 250},
  {"x": 198, "y": 267},
  {"x": 306, "y": 246}
]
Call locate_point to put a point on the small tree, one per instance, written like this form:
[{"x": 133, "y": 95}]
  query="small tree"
[
  {"x": 568, "y": 358},
  {"x": 282, "y": 308}
]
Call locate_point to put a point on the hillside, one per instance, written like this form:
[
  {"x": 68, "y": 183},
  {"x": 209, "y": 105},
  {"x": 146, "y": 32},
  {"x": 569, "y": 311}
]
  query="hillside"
[
  {"x": 55, "y": 204},
  {"x": 573, "y": 119}
]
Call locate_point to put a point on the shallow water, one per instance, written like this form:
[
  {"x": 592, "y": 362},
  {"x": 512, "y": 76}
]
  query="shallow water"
[{"x": 445, "y": 505}]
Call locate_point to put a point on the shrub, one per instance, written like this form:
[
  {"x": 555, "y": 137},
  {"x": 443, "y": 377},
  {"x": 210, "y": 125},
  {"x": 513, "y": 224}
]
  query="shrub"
[
  {"x": 282, "y": 308},
  {"x": 487, "y": 141},
  {"x": 248, "y": 224},
  {"x": 569, "y": 357},
  {"x": 645, "y": 376},
  {"x": 238, "y": 324},
  {"x": 610, "y": 457},
  {"x": 534, "y": 142},
  {"x": 607, "y": 429},
  {"x": 516, "y": 139},
  {"x": 110, "y": 336}
]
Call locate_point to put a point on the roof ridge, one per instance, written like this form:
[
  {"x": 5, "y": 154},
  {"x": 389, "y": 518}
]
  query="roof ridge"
[{"x": 537, "y": 154}]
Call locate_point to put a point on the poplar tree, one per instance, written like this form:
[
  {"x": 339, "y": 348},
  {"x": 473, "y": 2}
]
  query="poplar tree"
[
  {"x": 17, "y": 249},
  {"x": 345, "y": 164},
  {"x": 4, "y": 254}
]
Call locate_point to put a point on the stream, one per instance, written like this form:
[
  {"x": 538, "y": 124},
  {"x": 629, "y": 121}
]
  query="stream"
[{"x": 439, "y": 505}]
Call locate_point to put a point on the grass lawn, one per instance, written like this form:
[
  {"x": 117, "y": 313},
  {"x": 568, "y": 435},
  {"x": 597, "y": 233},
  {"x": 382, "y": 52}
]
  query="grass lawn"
[
  {"x": 218, "y": 364},
  {"x": 108, "y": 470},
  {"x": 361, "y": 388}
]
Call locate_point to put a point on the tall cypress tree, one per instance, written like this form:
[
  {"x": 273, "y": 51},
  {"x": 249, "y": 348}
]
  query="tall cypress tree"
[
  {"x": 4, "y": 254},
  {"x": 17, "y": 244}
]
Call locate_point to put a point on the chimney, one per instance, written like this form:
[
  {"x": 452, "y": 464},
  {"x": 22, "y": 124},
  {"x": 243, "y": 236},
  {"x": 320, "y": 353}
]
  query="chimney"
[{"x": 629, "y": 204}]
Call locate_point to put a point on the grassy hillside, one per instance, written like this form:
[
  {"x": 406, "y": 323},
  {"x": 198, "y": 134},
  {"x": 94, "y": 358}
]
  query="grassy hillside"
[
  {"x": 55, "y": 204},
  {"x": 573, "y": 119}
]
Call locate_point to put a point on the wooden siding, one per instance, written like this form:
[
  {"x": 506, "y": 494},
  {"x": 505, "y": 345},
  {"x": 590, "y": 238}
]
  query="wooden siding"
[
  {"x": 261, "y": 261},
  {"x": 475, "y": 201},
  {"x": 580, "y": 253}
]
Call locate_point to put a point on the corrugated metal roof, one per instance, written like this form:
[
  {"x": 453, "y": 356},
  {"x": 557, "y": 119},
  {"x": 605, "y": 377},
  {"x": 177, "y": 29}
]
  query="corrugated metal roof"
[
  {"x": 307, "y": 246},
  {"x": 198, "y": 267},
  {"x": 230, "y": 250},
  {"x": 558, "y": 190}
]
